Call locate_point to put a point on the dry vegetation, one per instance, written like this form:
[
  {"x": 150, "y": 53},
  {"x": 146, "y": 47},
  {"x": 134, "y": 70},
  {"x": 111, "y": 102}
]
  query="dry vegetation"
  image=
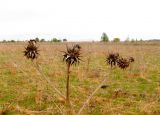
[{"x": 25, "y": 91}]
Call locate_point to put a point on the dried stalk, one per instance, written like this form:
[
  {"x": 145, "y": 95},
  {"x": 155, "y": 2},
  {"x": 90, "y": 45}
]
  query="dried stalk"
[
  {"x": 89, "y": 98},
  {"x": 39, "y": 69},
  {"x": 67, "y": 91},
  {"x": 67, "y": 85}
]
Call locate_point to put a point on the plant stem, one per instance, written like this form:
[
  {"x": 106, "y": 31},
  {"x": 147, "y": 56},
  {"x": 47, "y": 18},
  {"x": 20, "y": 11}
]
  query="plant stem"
[{"x": 67, "y": 90}]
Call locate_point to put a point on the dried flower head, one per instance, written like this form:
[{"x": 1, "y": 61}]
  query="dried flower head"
[
  {"x": 123, "y": 63},
  {"x": 112, "y": 59},
  {"x": 72, "y": 55},
  {"x": 31, "y": 51}
]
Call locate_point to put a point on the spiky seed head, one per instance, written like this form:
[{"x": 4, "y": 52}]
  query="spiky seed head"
[
  {"x": 123, "y": 63},
  {"x": 72, "y": 55},
  {"x": 112, "y": 58},
  {"x": 31, "y": 51}
]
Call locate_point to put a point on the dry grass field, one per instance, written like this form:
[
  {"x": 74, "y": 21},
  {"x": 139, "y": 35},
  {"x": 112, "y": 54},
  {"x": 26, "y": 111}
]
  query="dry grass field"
[{"x": 133, "y": 91}]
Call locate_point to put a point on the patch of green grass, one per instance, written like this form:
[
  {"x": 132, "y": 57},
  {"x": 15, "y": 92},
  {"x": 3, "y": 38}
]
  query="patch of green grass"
[
  {"x": 7, "y": 97},
  {"x": 28, "y": 102}
]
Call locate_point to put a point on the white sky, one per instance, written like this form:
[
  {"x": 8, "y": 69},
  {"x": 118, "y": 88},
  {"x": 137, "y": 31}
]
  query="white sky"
[{"x": 79, "y": 19}]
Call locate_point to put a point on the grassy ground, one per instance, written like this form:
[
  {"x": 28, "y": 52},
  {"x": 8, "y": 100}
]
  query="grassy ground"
[{"x": 134, "y": 91}]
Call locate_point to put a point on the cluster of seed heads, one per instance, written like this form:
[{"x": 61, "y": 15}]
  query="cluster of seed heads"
[
  {"x": 123, "y": 63},
  {"x": 115, "y": 59},
  {"x": 31, "y": 51},
  {"x": 72, "y": 55}
]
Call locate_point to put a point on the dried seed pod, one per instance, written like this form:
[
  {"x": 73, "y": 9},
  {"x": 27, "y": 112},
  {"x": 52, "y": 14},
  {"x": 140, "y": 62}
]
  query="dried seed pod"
[
  {"x": 31, "y": 51},
  {"x": 112, "y": 59},
  {"x": 123, "y": 63},
  {"x": 72, "y": 55}
]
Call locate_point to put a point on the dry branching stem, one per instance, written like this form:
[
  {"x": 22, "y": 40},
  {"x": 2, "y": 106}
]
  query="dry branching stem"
[
  {"x": 90, "y": 97},
  {"x": 49, "y": 82},
  {"x": 39, "y": 69}
]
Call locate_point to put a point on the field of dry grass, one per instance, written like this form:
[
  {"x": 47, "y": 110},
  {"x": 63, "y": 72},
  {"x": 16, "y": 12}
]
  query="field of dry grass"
[{"x": 134, "y": 91}]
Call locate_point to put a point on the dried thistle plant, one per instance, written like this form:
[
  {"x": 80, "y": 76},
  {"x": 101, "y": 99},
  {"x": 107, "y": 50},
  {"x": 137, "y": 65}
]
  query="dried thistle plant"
[
  {"x": 71, "y": 56},
  {"x": 123, "y": 63},
  {"x": 112, "y": 59},
  {"x": 31, "y": 51}
]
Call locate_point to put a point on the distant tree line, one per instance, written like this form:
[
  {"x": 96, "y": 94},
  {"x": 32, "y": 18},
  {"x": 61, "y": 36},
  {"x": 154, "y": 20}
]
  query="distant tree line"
[
  {"x": 105, "y": 38},
  {"x": 37, "y": 39}
]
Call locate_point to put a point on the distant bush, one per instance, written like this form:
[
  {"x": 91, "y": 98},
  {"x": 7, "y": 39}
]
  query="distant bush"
[
  {"x": 127, "y": 39},
  {"x": 12, "y": 41},
  {"x": 104, "y": 37},
  {"x": 8, "y": 41},
  {"x": 55, "y": 40},
  {"x": 42, "y": 40},
  {"x": 116, "y": 40},
  {"x": 133, "y": 41},
  {"x": 64, "y": 40},
  {"x": 4, "y": 41},
  {"x": 37, "y": 39}
]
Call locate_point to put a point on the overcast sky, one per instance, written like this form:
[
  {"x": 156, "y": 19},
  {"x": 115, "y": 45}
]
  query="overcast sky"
[{"x": 79, "y": 19}]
